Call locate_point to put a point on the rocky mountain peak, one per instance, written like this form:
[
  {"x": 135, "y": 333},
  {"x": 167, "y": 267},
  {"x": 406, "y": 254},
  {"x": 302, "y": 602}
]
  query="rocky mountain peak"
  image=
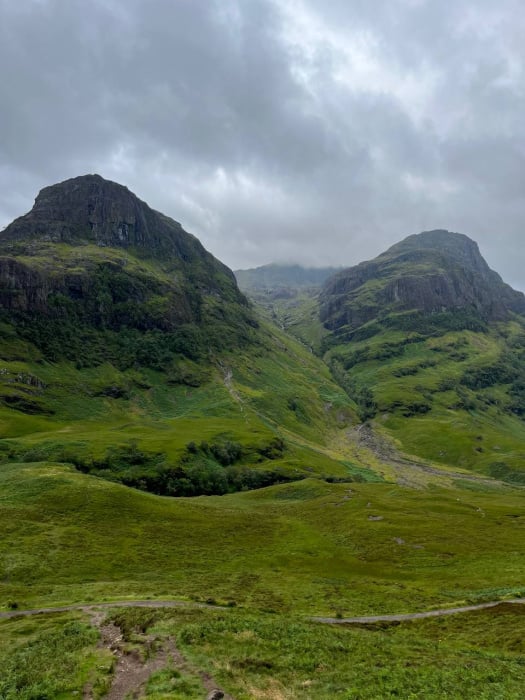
[
  {"x": 434, "y": 271},
  {"x": 78, "y": 258},
  {"x": 90, "y": 209},
  {"x": 456, "y": 247}
]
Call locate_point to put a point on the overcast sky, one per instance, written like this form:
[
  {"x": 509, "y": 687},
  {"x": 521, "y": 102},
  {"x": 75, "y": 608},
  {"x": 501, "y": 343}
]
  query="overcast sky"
[{"x": 314, "y": 131}]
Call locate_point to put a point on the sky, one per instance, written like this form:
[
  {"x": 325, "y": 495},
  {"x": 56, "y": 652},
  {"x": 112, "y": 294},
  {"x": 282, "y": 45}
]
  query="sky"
[{"x": 310, "y": 131}]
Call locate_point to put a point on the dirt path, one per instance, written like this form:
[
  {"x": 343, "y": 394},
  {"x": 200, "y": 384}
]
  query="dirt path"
[
  {"x": 370, "y": 619},
  {"x": 93, "y": 607},
  {"x": 90, "y": 607},
  {"x": 133, "y": 669}
]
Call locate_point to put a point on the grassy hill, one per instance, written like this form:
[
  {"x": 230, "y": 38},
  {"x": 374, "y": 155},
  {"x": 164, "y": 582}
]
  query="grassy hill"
[
  {"x": 128, "y": 351},
  {"x": 271, "y": 410},
  {"x": 453, "y": 397},
  {"x": 430, "y": 343},
  {"x": 273, "y": 558}
]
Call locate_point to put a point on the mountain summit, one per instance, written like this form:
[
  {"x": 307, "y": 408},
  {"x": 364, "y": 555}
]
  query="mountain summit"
[
  {"x": 434, "y": 271},
  {"x": 90, "y": 209},
  {"x": 91, "y": 256}
]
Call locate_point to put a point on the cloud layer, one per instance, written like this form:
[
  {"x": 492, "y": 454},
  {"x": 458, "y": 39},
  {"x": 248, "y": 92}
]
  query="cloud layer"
[{"x": 298, "y": 130}]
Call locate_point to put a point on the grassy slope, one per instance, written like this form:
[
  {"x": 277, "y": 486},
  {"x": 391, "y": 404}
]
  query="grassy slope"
[
  {"x": 277, "y": 388},
  {"x": 310, "y": 546},
  {"x": 269, "y": 657},
  {"x": 280, "y": 554},
  {"x": 50, "y": 657},
  {"x": 422, "y": 401},
  {"x": 303, "y": 548},
  {"x": 276, "y": 658}
]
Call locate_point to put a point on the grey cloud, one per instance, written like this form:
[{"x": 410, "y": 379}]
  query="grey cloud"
[{"x": 302, "y": 130}]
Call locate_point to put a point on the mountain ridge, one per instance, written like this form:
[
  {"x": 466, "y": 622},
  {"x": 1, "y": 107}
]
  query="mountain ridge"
[{"x": 434, "y": 271}]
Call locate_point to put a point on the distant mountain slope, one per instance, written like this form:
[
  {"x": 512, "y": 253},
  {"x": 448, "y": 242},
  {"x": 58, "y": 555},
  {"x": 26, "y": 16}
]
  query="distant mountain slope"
[
  {"x": 288, "y": 294},
  {"x": 430, "y": 342},
  {"x": 435, "y": 271},
  {"x": 274, "y": 276}
]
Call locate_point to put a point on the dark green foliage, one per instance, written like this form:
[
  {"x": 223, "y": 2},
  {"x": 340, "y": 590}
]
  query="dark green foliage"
[
  {"x": 25, "y": 404},
  {"x": 129, "y": 347},
  {"x": 366, "y": 403},
  {"x": 517, "y": 395},
  {"x": 436, "y": 323},
  {"x": 405, "y": 371},
  {"x": 295, "y": 405},
  {"x": 359, "y": 355},
  {"x": 416, "y": 407},
  {"x": 502, "y": 471},
  {"x": 509, "y": 369},
  {"x": 501, "y": 372},
  {"x": 207, "y": 469},
  {"x": 274, "y": 449}
]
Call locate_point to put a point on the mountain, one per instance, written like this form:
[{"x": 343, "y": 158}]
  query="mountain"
[
  {"x": 430, "y": 342},
  {"x": 127, "y": 350},
  {"x": 91, "y": 259},
  {"x": 431, "y": 272},
  {"x": 128, "y": 358}
]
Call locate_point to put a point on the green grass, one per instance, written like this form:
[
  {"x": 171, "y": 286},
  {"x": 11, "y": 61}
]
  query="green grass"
[
  {"x": 307, "y": 546},
  {"x": 421, "y": 394},
  {"x": 268, "y": 656},
  {"x": 53, "y": 656},
  {"x": 345, "y": 541},
  {"x": 278, "y": 390}
]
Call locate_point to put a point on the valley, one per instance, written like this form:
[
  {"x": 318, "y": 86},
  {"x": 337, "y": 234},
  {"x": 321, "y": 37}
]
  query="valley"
[{"x": 346, "y": 444}]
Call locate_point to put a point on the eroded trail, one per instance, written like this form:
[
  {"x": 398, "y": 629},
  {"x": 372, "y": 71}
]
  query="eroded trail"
[
  {"x": 407, "y": 471},
  {"x": 370, "y": 619},
  {"x": 133, "y": 668}
]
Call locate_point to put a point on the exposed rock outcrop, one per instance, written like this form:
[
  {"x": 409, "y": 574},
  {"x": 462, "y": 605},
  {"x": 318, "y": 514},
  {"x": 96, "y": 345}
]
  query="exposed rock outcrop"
[
  {"x": 430, "y": 272},
  {"x": 90, "y": 209},
  {"x": 91, "y": 256},
  {"x": 57, "y": 253}
]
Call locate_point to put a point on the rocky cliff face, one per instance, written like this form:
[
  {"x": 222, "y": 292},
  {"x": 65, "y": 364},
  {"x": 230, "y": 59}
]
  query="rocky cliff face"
[
  {"x": 430, "y": 272},
  {"x": 91, "y": 253},
  {"x": 89, "y": 209}
]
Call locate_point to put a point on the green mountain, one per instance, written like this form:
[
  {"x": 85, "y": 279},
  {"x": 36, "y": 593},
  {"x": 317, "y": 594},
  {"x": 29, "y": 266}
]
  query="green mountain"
[
  {"x": 128, "y": 351},
  {"x": 430, "y": 342},
  {"x": 432, "y": 272},
  {"x": 92, "y": 273}
]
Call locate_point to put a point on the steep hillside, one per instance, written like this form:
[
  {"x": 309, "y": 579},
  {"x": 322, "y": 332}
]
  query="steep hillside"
[
  {"x": 431, "y": 344},
  {"x": 128, "y": 351},
  {"x": 433, "y": 272},
  {"x": 92, "y": 273}
]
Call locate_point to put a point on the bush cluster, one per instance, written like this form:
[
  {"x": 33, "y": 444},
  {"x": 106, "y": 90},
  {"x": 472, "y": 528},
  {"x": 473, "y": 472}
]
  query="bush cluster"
[{"x": 206, "y": 469}]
